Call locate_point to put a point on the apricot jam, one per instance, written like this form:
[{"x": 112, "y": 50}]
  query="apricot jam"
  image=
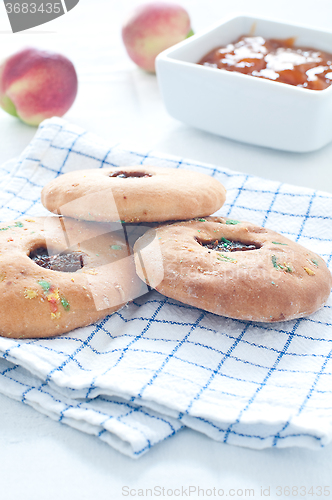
[
  {"x": 66, "y": 262},
  {"x": 125, "y": 175},
  {"x": 277, "y": 60},
  {"x": 225, "y": 245}
]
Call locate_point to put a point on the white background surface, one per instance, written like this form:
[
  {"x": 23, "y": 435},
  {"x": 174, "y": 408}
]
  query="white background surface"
[{"x": 44, "y": 460}]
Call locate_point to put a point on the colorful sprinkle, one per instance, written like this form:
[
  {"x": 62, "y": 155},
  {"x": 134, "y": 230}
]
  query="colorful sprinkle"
[
  {"x": 116, "y": 247},
  {"x": 274, "y": 262},
  {"x": 55, "y": 315},
  {"x": 309, "y": 271},
  {"x": 314, "y": 261},
  {"x": 17, "y": 224},
  {"x": 53, "y": 296},
  {"x": 279, "y": 243},
  {"x": 54, "y": 299},
  {"x": 65, "y": 304},
  {"x": 30, "y": 294},
  {"x": 233, "y": 222},
  {"x": 224, "y": 258},
  {"x": 285, "y": 267},
  {"x": 45, "y": 285},
  {"x": 202, "y": 220}
]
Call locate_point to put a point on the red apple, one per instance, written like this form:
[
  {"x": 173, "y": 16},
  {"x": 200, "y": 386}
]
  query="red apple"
[
  {"x": 152, "y": 28},
  {"x": 35, "y": 85}
]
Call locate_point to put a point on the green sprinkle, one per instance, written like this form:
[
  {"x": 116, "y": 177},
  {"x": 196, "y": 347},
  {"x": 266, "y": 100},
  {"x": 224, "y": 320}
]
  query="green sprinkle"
[
  {"x": 233, "y": 222},
  {"x": 314, "y": 261},
  {"x": 45, "y": 285},
  {"x": 273, "y": 283},
  {"x": 224, "y": 258},
  {"x": 224, "y": 240},
  {"x": 65, "y": 304},
  {"x": 278, "y": 243},
  {"x": 286, "y": 268},
  {"x": 116, "y": 247},
  {"x": 17, "y": 224},
  {"x": 198, "y": 230},
  {"x": 202, "y": 220}
]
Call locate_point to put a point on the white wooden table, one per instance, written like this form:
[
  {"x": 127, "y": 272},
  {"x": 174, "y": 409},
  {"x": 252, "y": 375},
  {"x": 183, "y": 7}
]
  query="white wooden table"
[{"x": 44, "y": 460}]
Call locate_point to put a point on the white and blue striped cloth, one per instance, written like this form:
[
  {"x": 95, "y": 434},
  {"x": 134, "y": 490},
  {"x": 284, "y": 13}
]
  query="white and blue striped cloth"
[{"x": 139, "y": 376}]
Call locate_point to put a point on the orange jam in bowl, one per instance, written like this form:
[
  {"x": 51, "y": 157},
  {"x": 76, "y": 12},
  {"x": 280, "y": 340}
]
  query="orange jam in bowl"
[{"x": 277, "y": 60}]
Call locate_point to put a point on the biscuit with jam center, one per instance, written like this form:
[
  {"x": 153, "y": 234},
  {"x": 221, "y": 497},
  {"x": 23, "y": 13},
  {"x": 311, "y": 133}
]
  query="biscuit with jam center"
[
  {"x": 233, "y": 269},
  {"x": 134, "y": 194},
  {"x": 58, "y": 274}
]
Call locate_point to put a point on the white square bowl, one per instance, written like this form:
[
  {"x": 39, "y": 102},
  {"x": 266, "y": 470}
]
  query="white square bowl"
[{"x": 242, "y": 107}]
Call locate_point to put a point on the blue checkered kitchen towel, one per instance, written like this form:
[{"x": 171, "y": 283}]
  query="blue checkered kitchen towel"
[{"x": 140, "y": 375}]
